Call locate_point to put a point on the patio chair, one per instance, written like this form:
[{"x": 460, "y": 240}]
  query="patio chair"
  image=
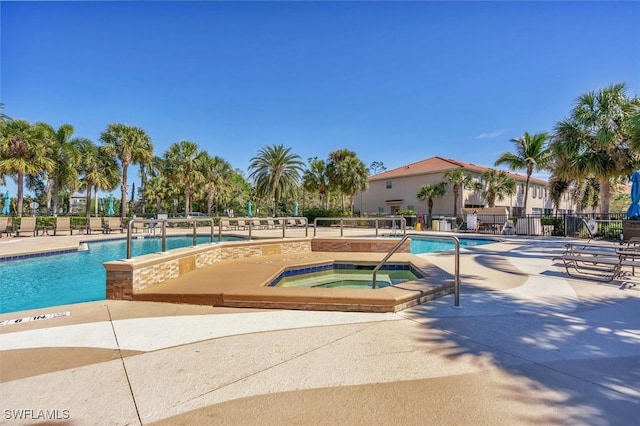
[
  {"x": 95, "y": 224},
  {"x": 6, "y": 227},
  {"x": 226, "y": 225},
  {"x": 112, "y": 224},
  {"x": 63, "y": 224},
  {"x": 27, "y": 225}
]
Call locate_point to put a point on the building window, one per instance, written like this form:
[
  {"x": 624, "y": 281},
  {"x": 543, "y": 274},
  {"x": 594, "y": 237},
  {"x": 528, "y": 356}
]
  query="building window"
[
  {"x": 380, "y": 209},
  {"x": 410, "y": 208},
  {"x": 548, "y": 212},
  {"x": 389, "y": 185}
]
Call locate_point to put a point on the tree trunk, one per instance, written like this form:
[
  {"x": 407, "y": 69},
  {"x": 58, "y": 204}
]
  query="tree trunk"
[
  {"x": 20, "y": 193},
  {"x": 123, "y": 190},
  {"x": 87, "y": 208},
  {"x": 526, "y": 194},
  {"x": 56, "y": 191},
  {"x": 605, "y": 197},
  {"x": 456, "y": 195}
]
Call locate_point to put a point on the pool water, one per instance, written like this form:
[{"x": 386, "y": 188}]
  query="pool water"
[
  {"x": 72, "y": 277},
  {"x": 355, "y": 279},
  {"x": 430, "y": 246},
  {"x": 346, "y": 275}
]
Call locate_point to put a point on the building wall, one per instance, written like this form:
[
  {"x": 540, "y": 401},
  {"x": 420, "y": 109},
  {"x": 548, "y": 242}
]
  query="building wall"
[{"x": 405, "y": 188}]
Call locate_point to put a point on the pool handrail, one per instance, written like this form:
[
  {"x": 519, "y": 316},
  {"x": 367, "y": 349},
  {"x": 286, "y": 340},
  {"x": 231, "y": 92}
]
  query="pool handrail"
[
  {"x": 456, "y": 282},
  {"x": 391, "y": 219},
  {"x": 191, "y": 221}
]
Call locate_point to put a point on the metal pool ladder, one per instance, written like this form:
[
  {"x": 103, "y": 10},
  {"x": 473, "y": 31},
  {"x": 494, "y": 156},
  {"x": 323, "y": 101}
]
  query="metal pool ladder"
[{"x": 456, "y": 241}]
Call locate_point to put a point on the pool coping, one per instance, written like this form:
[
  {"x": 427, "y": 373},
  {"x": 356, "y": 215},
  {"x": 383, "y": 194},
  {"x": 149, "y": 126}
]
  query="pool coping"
[{"x": 219, "y": 285}]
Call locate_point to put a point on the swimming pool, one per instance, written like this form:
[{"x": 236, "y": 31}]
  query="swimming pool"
[
  {"x": 73, "y": 277},
  {"x": 424, "y": 245}
]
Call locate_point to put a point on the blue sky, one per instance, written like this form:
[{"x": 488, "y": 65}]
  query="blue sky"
[{"x": 395, "y": 82}]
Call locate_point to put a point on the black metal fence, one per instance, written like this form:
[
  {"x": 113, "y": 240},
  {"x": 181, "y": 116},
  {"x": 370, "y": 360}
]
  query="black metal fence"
[{"x": 587, "y": 225}]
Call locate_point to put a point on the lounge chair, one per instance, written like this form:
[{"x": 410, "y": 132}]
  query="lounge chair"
[
  {"x": 598, "y": 262},
  {"x": 256, "y": 224},
  {"x": 95, "y": 224},
  {"x": 27, "y": 225},
  {"x": 226, "y": 225},
  {"x": 242, "y": 223},
  {"x": 112, "y": 224},
  {"x": 271, "y": 224},
  {"x": 63, "y": 224}
]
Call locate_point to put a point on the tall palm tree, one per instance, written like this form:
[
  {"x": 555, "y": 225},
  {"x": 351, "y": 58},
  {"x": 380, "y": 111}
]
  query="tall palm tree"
[
  {"x": 24, "y": 151},
  {"x": 98, "y": 170},
  {"x": 217, "y": 173},
  {"x": 428, "y": 193},
  {"x": 594, "y": 140},
  {"x": 184, "y": 168},
  {"x": 356, "y": 178},
  {"x": 276, "y": 173},
  {"x": 315, "y": 179},
  {"x": 345, "y": 173},
  {"x": 532, "y": 154},
  {"x": 66, "y": 157},
  {"x": 497, "y": 185},
  {"x": 460, "y": 180},
  {"x": 131, "y": 145}
]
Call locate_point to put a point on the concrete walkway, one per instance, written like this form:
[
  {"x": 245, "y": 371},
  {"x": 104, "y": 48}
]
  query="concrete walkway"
[{"x": 527, "y": 346}]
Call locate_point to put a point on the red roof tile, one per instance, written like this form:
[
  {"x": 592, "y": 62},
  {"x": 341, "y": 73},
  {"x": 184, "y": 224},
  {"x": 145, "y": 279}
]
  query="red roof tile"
[{"x": 439, "y": 164}]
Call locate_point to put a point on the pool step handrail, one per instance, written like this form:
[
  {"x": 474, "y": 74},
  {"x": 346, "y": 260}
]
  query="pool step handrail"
[{"x": 456, "y": 241}]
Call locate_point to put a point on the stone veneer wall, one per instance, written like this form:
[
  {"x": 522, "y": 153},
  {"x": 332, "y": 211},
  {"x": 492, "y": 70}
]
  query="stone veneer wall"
[
  {"x": 367, "y": 245},
  {"x": 126, "y": 277}
]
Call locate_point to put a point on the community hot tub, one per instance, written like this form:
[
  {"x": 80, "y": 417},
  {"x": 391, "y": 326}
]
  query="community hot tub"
[{"x": 346, "y": 275}]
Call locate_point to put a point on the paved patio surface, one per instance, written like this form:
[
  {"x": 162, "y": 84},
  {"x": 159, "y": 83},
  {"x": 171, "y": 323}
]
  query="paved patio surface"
[{"x": 526, "y": 346}]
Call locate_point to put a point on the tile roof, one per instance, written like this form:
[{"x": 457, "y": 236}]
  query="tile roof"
[{"x": 440, "y": 164}]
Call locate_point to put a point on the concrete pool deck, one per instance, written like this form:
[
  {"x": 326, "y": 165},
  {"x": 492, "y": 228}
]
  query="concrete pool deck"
[{"x": 527, "y": 346}]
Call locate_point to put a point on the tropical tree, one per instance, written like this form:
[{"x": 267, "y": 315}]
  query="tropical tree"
[
  {"x": 347, "y": 173},
  {"x": 66, "y": 156},
  {"x": 460, "y": 180},
  {"x": 315, "y": 179},
  {"x": 497, "y": 185},
  {"x": 532, "y": 154},
  {"x": 184, "y": 164},
  {"x": 428, "y": 193},
  {"x": 377, "y": 167},
  {"x": 217, "y": 173},
  {"x": 276, "y": 173},
  {"x": 597, "y": 140},
  {"x": 24, "y": 151},
  {"x": 97, "y": 169},
  {"x": 131, "y": 145}
]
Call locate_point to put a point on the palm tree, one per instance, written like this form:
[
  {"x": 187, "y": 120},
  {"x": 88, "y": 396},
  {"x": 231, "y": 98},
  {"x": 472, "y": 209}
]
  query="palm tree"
[
  {"x": 66, "y": 157},
  {"x": 315, "y": 179},
  {"x": 347, "y": 173},
  {"x": 131, "y": 145},
  {"x": 276, "y": 173},
  {"x": 428, "y": 193},
  {"x": 593, "y": 141},
  {"x": 217, "y": 173},
  {"x": 532, "y": 154},
  {"x": 98, "y": 170},
  {"x": 460, "y": 180},
  {"x": 497, "y": 185},
  {"x": 24, "y": 151},
  {"x": 184, "y": 164}
]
